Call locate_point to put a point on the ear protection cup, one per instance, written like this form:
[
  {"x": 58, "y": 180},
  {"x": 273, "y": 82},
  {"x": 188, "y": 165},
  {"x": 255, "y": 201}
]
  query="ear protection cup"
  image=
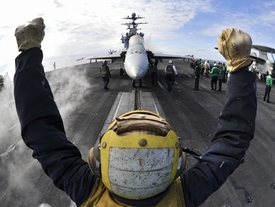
[
  {"x": 94, "y": 160},
  {"x": 181, "y": 164}
]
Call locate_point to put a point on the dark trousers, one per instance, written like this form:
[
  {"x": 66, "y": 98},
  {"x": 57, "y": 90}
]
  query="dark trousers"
[
  {"x": 197, "y": 82},
  {"x": 170, "y": 80},
  {"x": 214, "y": 80},
  {"x": 202, "y": 71},
  {"x": 106, "y": 81},
  {"x": 154, "y": 78},
  {"x": 220, "y": 84},
  {"x": 267, "y": 92}
]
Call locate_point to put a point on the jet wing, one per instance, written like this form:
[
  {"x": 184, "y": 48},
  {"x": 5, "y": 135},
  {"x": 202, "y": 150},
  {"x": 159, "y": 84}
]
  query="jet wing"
[
  {"x": 113, "y": 57},
  {"x": 258, "y": 60},
  {"x": 263, "y": 48},
  {"x": 161, "y": 56},
  {"x": 152, "y": 55}
]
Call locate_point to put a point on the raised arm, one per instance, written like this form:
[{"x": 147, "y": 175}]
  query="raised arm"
[
  {"x": 236, "y": 124},
  {"x": 41, "y": 124}
]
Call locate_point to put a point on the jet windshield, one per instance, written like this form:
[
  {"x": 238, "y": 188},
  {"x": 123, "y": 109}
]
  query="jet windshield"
[{"x": 136, "y": 39}]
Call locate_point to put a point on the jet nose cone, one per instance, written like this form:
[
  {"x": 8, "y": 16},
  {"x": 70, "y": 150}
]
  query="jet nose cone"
[{"x": 136, "y": 72}]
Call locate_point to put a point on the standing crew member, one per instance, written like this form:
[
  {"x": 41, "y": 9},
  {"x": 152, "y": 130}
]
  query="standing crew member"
[
  {"x": 206, "y": 68},
  {"x": 105, "y": 74},
  {"x": 214, "y": 79},
  {"x": 153, "y": 70},
  {"x": 139, "y": 160},
  {"x": 268, "y": 82},
  {"x": 198, "y": 69},
  {"x": 170, "y": 72}
]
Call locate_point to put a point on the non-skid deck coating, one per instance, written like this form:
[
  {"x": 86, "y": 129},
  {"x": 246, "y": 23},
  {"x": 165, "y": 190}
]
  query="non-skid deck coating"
[{"x": 87, "y": 110}]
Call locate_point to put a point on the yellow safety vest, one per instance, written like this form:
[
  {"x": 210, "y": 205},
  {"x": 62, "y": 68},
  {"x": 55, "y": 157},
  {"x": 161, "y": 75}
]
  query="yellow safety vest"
[{"x": 100, "y": 197}]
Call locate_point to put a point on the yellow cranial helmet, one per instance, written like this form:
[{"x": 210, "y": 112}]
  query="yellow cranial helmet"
[{"x": 138, "y": 156}]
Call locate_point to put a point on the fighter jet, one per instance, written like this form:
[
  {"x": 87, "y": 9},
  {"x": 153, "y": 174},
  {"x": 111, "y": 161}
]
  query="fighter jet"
[
  {"x": 261, "y": 64},
  {"x": 134, "y": 55}
]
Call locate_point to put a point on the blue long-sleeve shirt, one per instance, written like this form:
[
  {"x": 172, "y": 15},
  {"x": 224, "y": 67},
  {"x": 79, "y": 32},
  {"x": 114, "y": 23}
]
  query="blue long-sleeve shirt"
[
  {"x": 42, "y": 130},
  {"x": 236, "y": 126}
]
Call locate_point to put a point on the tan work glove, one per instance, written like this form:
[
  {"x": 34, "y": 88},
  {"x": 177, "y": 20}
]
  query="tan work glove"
[
  {"x": 30, "y": 35},
  {"x": 235, "y": 46}
]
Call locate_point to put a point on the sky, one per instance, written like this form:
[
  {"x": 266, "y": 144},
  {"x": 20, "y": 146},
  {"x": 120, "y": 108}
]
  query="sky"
[{"x": 77, "y": 30}]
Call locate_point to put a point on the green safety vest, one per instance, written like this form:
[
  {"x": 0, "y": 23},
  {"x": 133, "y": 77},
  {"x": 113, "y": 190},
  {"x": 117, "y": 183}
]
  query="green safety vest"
[
  {"x": 269, "y": 80},
  {"x": 214, "y": 71}
]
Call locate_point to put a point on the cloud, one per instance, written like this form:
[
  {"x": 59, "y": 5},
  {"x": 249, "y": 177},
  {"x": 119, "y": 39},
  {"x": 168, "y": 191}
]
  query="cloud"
[
  {"x": 256, "y": 21},
  {"x": 83, "y": 28}
]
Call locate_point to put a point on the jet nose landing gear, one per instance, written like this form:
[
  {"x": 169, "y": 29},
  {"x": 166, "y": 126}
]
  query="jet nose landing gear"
[{"x": 137, "y": 83}]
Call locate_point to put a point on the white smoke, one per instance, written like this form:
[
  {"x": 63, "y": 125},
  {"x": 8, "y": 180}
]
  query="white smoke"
[{"x": 69, "y": 86}]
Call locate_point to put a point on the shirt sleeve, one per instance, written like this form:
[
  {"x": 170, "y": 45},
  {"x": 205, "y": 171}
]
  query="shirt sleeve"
[
  {"x": 42, "y": 128},
  {"x": 175, "y": 70},
  {"x": 270, "y": 81},
  {"x": 235, "y": 130}
]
